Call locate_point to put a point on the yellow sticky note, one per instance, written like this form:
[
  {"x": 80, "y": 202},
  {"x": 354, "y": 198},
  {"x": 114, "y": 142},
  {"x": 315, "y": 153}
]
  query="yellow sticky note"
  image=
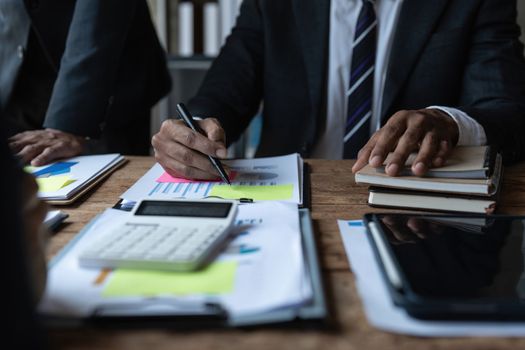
[
  {"x": 217, "y": 278},
  {"x": 275, "y": 192},
  {"x": 53, "y": 183},
  {"x": 29, "y": 169}
]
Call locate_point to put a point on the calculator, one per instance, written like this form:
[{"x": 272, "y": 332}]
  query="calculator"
[{"x": 160, "y": 234}]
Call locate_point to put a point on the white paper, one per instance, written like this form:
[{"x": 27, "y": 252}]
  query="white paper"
[
  {"x": 283, "y": 170},
  {"x": 271, "y": 277},
  {"x": 381, "y": 311}
]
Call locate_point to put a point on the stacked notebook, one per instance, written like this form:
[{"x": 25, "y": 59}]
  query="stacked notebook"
[
  {"x": 64, "y": 181},
  {"x": 469, "y": 183}
]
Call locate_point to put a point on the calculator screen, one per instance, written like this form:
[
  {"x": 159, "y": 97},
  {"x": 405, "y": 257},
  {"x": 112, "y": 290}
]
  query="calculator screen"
[{"x": 184, "y": 208}]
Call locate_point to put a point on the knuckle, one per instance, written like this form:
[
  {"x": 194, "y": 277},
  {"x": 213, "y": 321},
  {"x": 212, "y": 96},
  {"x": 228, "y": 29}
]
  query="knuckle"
[
  {"x": 186, "y": 156},
  {"x": 173, "y": 168},
  {"x": 214, "y": 121},
  {"x": 392, "y": 129},
  {"x": 411, "y": 138},
  {"x": 189, "y": 138},
  {"x": 432, "y": 137},
  {"x": 188, "y": 172},
  {"x": 365, "y": 150},
  {"x": 165, "y": 125},
  {"x": 155, "y": 141},
  {"x": 399, "y": 114}
]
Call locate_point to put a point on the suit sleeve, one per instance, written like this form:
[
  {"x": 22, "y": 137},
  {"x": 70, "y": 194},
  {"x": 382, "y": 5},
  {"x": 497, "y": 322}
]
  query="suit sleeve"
[
  {"x": 88, "y": 69},
  {"x": 232, "y": 88},
  {"x": 494, "y": 78}
]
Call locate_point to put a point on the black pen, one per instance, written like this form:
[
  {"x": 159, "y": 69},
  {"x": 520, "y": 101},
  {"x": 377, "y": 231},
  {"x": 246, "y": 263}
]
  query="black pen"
[{"x": 185, "y": 115}]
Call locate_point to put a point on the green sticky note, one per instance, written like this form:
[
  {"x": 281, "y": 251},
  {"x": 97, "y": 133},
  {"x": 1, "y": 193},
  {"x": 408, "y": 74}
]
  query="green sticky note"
[
  {"x": 217, "y": 278},
  {"x": 275, "y": 192},
  {"x": 53, "y": 183}
]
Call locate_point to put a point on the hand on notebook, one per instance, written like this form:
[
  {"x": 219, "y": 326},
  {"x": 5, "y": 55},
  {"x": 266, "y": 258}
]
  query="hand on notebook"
[
  {"x": 430, "y": 132},
  {"x": 181, "y": 151},
  {"x": 40, "y": 147}
]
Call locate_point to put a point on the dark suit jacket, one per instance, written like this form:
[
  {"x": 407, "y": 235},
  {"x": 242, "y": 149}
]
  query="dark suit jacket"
[
  {"x": 456, "y": 53},
  {"x": 109, "y": 66}
]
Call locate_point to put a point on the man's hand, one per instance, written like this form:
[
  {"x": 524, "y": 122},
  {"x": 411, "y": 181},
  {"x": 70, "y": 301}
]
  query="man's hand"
[
  {"x": 430, "y": 132},
  {"x": 40, "y": 147},
  {"x": 182, "y": 152},
  {"x": 36, "y": 235}
]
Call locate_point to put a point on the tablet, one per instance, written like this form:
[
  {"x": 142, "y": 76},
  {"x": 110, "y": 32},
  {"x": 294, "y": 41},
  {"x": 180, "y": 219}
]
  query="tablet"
[{"x": 452, "y": 267}]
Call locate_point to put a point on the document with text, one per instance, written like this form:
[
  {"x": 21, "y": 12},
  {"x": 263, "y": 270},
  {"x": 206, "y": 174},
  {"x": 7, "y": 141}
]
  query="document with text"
[
  {"x": 262, "y": 269},
  {"x": 272, "y": 178}
]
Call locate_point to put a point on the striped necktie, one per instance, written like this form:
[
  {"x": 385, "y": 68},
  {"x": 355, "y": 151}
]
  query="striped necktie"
[{"x": 360, "y": 90}]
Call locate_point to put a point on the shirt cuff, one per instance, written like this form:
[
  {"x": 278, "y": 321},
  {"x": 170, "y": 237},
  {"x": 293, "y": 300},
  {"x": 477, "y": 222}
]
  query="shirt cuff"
[{"x": 471, "y": 133}]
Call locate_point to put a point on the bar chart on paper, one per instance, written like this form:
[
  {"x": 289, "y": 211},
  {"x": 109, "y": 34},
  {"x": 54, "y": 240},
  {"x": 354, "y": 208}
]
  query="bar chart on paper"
[{"x": 272, "y": 178}]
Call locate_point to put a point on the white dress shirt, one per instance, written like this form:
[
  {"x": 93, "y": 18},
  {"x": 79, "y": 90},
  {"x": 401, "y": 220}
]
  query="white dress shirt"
[{"x": 343, "y": 17}]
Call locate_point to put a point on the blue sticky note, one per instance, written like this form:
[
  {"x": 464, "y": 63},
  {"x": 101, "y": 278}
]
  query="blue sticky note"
[
  {"x": 55, "y": 169},
  {"x": 355, "y": 223}
]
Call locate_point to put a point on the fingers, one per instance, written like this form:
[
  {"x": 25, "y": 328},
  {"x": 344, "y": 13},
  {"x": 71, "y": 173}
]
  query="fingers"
[
  {"x": 177, "y": 168},
  {"x": 19, "y": 141},
  {"x": 184, "y": 153},
  {"x": 386, "y": 141},
  {"x": 363, "y": 155},
  {"x": 215, "y": 132},
  {"x": 442, "y": 154},
  {"x": 382, "y": 142},
  {"x": 193, "y": 140},
  {"x": 51, "y": 153},
  {"x": 40, "y": 147},
  {"x": 408, "y": 143},
  {"x": 30, "y": 151},
  {"x": 427, "y": 152},
  {"x": 428, "y": 132}
]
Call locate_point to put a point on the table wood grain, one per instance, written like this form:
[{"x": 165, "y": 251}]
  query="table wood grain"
[{"x": 334, "y": 196}]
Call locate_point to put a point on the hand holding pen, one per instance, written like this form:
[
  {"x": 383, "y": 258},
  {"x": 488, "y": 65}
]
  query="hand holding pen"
[
  {"x": 190, "y": 123},
  {"x": 186, "y": 153}
]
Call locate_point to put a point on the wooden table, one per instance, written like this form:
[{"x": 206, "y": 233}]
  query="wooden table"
[{"x": 334, "y": 196}]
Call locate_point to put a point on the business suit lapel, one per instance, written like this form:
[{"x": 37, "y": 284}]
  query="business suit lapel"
[
  {"x": 312, "y": 18},
  {"x": 416, "y": 21}
]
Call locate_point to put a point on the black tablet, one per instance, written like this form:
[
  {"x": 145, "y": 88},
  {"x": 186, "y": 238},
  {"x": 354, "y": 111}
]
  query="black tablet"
[{"x": 446, "y": 267}]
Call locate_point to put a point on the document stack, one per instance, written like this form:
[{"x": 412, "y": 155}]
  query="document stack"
[
  {"x": 268, "y": 272},
  {"x": 469, "y": 182}
]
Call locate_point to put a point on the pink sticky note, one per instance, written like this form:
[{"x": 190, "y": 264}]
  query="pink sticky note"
[{"x": 165, "y": 177}]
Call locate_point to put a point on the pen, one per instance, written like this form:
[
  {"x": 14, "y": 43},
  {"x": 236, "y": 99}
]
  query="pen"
[{"x": 190, "y": 123}]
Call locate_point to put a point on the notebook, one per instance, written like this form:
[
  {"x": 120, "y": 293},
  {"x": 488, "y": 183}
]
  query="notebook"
[
  {"x": 486, "y": 186},
  {"x": 64, "y": 181}
]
